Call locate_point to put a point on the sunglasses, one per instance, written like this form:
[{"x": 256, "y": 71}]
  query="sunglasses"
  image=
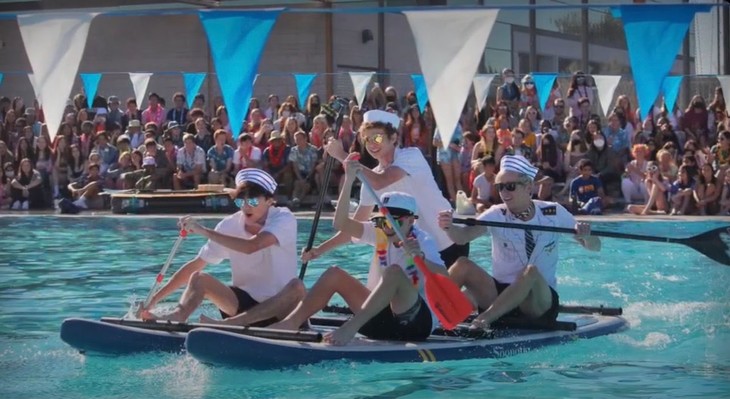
[
  {"x": 376, "y": 138},
  {"x": 252, "y": 202},
  {"x": 381, "y": 222},
  {"x": 511, "y": 186}
]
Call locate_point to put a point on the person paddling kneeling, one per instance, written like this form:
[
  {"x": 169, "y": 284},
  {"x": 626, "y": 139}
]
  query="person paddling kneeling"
[
  {"x": 392, "y": 305},
  {"x": 260, "y": 243},
  {"x": 524, "y": 262}
]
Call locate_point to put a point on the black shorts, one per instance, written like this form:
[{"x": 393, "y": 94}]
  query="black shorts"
[
  {"x": 246, "y": 302},
  {"x": 413, "y": 325},
  {"x": 454, "y": 252},
  {"x": 550, "y": 315}
]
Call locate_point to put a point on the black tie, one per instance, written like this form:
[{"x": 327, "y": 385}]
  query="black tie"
[{"x": 529, "y": 243}]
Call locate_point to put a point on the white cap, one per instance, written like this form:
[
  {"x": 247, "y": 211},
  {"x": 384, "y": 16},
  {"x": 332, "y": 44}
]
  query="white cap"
[
  {"x": 149, "y": 161},
  {"x": 377, "y": 115},
  {"x": 518, "y": 164},
  {"x": 399, "y": 200},
  {"x": 258, "y": 176}
]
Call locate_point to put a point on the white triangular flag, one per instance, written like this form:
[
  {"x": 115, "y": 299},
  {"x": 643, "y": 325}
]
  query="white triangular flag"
[
  {"x": 36, "y": 89},
  {"x": 725, "y": 84},
  {"x": 482, "y": 83},
  {"x": 707, "y": 34},
  {"x": 450, "y": 45},
  {"x": 139, "y": 83},
  {"x": 606, "y": 86},
  {"x": 360, "y": 81},
  {"x": 54, "y": 43}
]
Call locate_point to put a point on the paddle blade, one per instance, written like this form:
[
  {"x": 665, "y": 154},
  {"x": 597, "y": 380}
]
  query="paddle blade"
[
  {"x": 714, "y": 244},
  {"x": 444, "y": 297}
]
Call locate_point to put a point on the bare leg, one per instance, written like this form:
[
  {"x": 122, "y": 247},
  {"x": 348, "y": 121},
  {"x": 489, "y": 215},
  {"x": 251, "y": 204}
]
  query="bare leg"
[
  {"x": 333, "y": 281},
  {"x": 201, "y": 286},
  {"x": 394, "y": 288},
  {"x": 456, "y": 173},
  {"x": 652, "y": 200},
  {"x": 478, "y": 283},
  {"x": 530, "y": 292},
  {"x": 449, "y": 179}
]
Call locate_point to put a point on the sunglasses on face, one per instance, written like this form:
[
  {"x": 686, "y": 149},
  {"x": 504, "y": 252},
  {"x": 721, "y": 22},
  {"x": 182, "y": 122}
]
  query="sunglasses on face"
[
  {"x": 511, "y": 186},
  {"x": 376, "y": 138},
  {"x": 381, "y": 222},
  {"x": 252, "y": 202}
]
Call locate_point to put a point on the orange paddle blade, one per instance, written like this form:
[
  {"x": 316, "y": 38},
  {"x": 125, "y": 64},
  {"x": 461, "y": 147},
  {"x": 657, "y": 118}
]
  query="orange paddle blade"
[{"x": 444, "y": 297}]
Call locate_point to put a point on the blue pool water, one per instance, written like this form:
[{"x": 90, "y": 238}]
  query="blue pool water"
[{"x": 51, "y": 268}]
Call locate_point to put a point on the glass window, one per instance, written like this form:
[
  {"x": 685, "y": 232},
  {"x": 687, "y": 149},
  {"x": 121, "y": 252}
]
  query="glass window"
[{"x": 565, "y": 20}]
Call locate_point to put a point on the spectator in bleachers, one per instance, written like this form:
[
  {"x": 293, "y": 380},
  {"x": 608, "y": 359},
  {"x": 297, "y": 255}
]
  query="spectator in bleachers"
[
  {"x": 717, "y": 111},
  {"x": 26, "y": 189},
  {"x": 529, "y": 136},
  {"x": 509, "y": 93},
  {"x": 272, "y": 107},
  {"x": 154, "y": 111},
  {"x": 720, "y": 152},
  {"x": 199, "y": 103},
  {"x": 203, "y": 137},
  {"x": 261, "y": 136},
  {"x": 174, "y": 132},
  {"x": 320, "y": 132},
  {"x": 488, "y": 145},
  {"x": 5, "y": 154},
  {"x": 707, "y": 191},
  {"x": 44, "y": 165},
  {"x": 222, "y": 114},
  {"x": 163, "y": 169},
  {"x": 694, "y": 122},
  {"x": 483, "y": 193},
  {"x": 132, "y": 113},
  {"x": 449, "y": 161},
  {"x": 220, "y": 160},
  {"x": 550, "y": 113},
  {"x": 633, "y": 185},
  {"x": 115, "y": 114},
  {"x": 23, "y": 151},
  {"x": 586, "y": 191},
  {"x": 465, "y": 153},
  {"x": 658, "y": 186},
  {"x": 86, "y": 190},
  {"x": 667, "y": 164},
  {"x": 303, "y": 158},
  {"x": 528, "y": 95},
  {"x": 255, "y": 121},
  {"x": 178, "y": 113},
  {"x": 275, "y": 159},
  {"x": 682, "y": 191},
  {"x": 246, "y": 155},
  {"x": 356, "y": 118},
  {"x": 170, "y": 150},
  {"x": 549, "y": 158},
  {"x": 290, "y": 128},
  {"x": 603, "y": 164},
  {"x": 312, "y": 108},
  {"x": 7, "y": 174},
  {"x": 190, "y": 164},
  {"x": 580, "y": 97},
  {"x": 724, "y": 199}
]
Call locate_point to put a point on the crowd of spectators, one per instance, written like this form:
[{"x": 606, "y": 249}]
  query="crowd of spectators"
[{"x": 671, "y": 162}]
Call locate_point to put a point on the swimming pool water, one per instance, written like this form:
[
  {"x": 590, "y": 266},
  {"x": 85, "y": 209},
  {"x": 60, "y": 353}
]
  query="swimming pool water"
[{"x": 51, "y": 268}]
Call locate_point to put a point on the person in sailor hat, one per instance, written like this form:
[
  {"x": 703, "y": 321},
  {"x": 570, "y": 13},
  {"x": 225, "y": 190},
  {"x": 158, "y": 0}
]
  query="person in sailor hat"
[
  {"x": 398, "y": 169},
  {"x": 260, "y": 241},
  {"x": 523, "y": 281}
]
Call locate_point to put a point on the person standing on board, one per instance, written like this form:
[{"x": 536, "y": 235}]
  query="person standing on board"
[
  {"x": 391, "y": 306},
  {"x": 260, "y": 242},
  {"x": 524, "y": 262},
  {"x": 398, "y": 169}
]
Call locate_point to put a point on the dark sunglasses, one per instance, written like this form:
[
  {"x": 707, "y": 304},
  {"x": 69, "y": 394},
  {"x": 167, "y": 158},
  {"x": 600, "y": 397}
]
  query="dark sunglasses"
[
  {"x": 252, "y": 202},
  {"x": 376, "y": 138},
  {"x": 511, "y": 186},
  {"x": 381, "y": 222}
]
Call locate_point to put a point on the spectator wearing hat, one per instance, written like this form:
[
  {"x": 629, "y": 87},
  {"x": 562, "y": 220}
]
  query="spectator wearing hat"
[
  {"x": 174, "y": 132},
  {"x": 220, "y": 159},
  {"x": 132, "y": 113},
  {"x": 154, "y": 112},
  {"x": 178, "y": 113},
  {"x": 260, "y": 243},
  {"x": 276, "y": 159},
  {"x": 134, "y": 131},
  {"x": 148, "y": 182},
  {"x": 190, "y": 164}
]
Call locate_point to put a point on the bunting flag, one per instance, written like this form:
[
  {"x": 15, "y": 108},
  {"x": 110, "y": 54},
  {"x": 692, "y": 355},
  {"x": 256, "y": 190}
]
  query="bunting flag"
[
  {"x": 654, "y": 35},
  {"x": 304, "y": 83},
  {"x": 544, "y": 86},
  {"x": 236, "y": 40},
  {"x": 421, "y": 92},
  {"x": 54, "y": 43},
  {"x": 725, "y": 84},
  {"x": 450, "y": 45},
  {"x": 36, "y": 88},
  {"x": 670, "y": 90},
  {"x": 193, "y": 82},
  {"x": 360, "y": 81},
  {"x": 91, "y": 85},
  {"x": 706, "y": 36},
  {"x": 1, "y": 79},
  {"x": 606, "y": 86},
  {"x": 139, "y": 84},
  {"x": 482, "y": 84}
]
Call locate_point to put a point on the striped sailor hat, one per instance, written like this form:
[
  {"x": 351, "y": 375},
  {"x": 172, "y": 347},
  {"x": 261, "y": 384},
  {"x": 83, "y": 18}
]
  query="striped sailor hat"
[
  {"x": 518, "y": 164},
  {"x": 258, "y": 176}
]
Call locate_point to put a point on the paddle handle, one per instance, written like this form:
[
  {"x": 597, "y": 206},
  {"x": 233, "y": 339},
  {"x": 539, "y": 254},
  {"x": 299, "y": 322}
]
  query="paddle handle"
[
  {"x": 475, "y": 222},
  {"x": 165, "y": 266},
  {"x": 322, "y": 192}
]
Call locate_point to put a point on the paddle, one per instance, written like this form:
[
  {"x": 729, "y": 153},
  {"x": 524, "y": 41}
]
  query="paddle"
[
  {"x": 340, "y": 105},
  {"x": 165, "y": 266},
  {"x": 444, "y": 297},
  {"x": 709, "y": 243}
]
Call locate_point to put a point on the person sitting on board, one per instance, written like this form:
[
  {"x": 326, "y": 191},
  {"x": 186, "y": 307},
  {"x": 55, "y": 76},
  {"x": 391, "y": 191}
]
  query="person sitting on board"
[
  {"x": 260, "y": 242},
  {"x": 524, "y": 262},
  {"x": 398, "y": 169},
  {"x": 392, "y": 305}
]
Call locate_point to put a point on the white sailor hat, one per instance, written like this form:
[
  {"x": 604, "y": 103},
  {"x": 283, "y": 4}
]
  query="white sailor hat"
[
  {"x": 399, "y": 203},
  {"x": 258, "y": 176},
  {"x": 518, "y": 164},
  {"x": 377, "y": 115}
]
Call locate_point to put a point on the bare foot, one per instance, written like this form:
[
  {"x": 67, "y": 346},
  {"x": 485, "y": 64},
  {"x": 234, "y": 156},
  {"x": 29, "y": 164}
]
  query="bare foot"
[
  {"x": 209, "y": 320},
  {"x": 284, "y": 325},
  {"x": 174, "y": 316},
  {"x": 340, "y": 336}
]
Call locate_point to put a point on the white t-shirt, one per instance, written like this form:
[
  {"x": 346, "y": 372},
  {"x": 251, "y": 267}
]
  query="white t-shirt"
[
  {"x": 419, "y": 183},
  {"x": 240, "y": 163},
  {"x": 263, "y": 273},
  {"x": 509, "y": 257},
  {"x": 397, "y": 256},
  {"x": 188, "y": 162},
  {"x": 483, "y": 186}
]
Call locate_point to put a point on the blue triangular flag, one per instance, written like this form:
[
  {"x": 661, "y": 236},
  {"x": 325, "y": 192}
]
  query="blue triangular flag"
[
  {"x": 1, "y": 78},
  {"x": 304, "y": 85},
  {"x": 670, "y": 88},
  {"x": 91, "y": 85},
  {"x": 193, "y": 81},
  {"x": 419, "y": 84},
  {"x": 654, "y": 34},
  {"x": 544, "y": 86},
  {"x": 237, "y": 39}
]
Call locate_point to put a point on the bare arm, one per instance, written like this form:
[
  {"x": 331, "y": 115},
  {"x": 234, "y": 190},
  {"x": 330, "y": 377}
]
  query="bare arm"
[
  {"x": 245, "y": 245},
  {"x": 342, "y": 221},
  {"x": 380, "y": 180}
]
